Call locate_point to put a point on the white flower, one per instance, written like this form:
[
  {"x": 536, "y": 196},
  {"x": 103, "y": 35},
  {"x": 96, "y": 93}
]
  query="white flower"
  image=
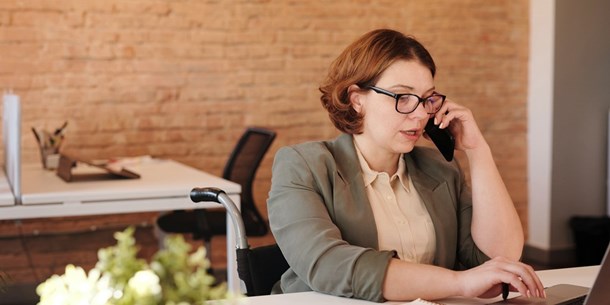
[
  {"x": 120, "y": 277},
  {"x": 145, "y": 283},
  {"x": 76, "y": 288}
]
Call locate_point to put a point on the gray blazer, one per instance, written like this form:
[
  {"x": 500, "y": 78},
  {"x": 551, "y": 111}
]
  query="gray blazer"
[{"x": 321, "y": 218}]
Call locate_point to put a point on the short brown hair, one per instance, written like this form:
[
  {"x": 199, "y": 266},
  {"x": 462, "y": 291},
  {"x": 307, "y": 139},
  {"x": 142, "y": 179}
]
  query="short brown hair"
[{"x": 362, "y": 63}]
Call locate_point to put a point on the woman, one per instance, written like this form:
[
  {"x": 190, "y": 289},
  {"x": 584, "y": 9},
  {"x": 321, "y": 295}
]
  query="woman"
[{"x": 369, "y": 215}]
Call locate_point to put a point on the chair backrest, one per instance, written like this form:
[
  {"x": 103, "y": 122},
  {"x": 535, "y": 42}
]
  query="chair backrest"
[
  {"x": 260, "y": 268},
  {"x": 248, "y": 154},
  {"x": 241, "y": 168}
]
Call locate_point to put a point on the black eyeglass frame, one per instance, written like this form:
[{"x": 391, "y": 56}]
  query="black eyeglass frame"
[{"x": 397, "y": 97}]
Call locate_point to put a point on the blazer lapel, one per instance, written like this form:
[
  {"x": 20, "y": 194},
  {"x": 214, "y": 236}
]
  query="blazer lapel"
[
  {"x": 352, "y": 208},
  {"x": 435, "y": 195}
]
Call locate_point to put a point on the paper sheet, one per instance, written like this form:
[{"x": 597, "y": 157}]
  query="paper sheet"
[{"x": 419, "y": 302}]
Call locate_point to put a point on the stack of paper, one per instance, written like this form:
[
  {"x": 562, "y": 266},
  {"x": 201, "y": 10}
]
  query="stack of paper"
[{"x": 420, "y": 302}]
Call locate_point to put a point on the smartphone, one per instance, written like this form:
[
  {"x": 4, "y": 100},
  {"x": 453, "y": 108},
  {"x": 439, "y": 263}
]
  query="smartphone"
[{"x": 442, "y": 138}]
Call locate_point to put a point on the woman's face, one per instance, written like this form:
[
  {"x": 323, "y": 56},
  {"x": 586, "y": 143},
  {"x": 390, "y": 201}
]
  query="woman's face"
[{"x": 384, "y": 127}]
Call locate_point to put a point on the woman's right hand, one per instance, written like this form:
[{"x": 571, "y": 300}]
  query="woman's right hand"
[{"x": 486, "y": 280}]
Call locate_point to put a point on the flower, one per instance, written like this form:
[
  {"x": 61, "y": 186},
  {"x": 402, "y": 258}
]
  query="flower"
[
  {"x": 174, "y": 277},
  {"x": 145, "y": 283},
  {"x": 76, "y": 287}
]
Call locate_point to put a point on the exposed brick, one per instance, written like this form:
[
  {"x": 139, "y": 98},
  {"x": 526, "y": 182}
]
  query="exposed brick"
[{"x": 182, "y": 79}]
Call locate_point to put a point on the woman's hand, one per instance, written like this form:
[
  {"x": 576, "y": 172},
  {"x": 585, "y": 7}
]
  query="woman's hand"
[
  {"x": 461, "y": 124},
  {"x": 486, "y": 280}
]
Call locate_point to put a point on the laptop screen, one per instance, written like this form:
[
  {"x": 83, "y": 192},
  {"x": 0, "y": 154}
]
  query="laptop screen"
[{"x": 600, "y": 292}]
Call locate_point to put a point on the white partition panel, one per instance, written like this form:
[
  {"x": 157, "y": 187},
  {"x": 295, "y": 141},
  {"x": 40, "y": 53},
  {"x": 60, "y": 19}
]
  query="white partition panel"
[{"x": 11, "y": 132}]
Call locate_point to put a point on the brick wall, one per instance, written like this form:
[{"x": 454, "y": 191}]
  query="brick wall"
[{"x": 182, "y": 79}]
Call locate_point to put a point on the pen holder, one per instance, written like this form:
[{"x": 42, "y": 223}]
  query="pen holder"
[
  {"x": 49, "y": 144},
  {"x": 50, "y": 158}
]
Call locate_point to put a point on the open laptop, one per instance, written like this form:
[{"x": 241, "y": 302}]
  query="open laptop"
[{"x": 566, "y": 294}]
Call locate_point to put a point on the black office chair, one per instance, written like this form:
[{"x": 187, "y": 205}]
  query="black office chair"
[
  {"x": 260, "y": 268},
  {"x": 240, "y": 168}
]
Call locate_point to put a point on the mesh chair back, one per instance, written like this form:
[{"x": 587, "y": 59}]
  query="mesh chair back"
[
  {"x": 248, "y": 154},
  {"x": 241, "y": 168}
]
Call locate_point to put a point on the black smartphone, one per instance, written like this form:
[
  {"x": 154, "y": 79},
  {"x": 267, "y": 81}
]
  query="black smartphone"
[{"x": 442, "y": 138}]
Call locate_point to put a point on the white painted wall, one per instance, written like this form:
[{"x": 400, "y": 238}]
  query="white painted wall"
[
  {"x": 540, "y": 121},
  {"x": 568, "y": 102}
]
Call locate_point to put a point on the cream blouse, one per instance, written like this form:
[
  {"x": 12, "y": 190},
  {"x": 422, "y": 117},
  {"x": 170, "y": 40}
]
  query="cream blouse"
[{"x": 403, "y": 222}]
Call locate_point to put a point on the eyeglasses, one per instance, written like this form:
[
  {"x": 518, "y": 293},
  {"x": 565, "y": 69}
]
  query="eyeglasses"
[{"x": 407, "y": 103}]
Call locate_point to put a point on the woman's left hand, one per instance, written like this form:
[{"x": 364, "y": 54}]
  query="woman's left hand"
[{"x": 461, "y": 124}]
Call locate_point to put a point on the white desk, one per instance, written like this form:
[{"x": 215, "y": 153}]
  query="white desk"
[
  {"x": 583, "y": 276},
  {"x": 164, "y": 185}
]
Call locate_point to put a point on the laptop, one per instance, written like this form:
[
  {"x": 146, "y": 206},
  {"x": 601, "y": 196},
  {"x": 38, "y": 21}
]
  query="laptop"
[{"x": 566, "y": 294}]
